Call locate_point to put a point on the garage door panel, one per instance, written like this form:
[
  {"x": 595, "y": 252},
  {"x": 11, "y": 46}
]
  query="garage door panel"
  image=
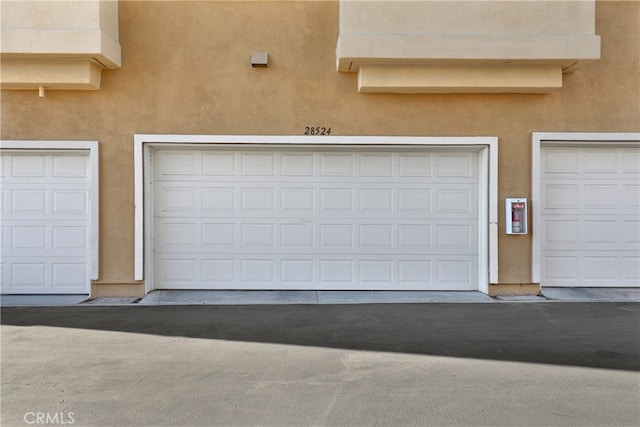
[
  {"x": 415, "y": 165},
  {"x": 258, "y": 200},
  {"x": 630, "y": 270},
  {"x": 454, "y": 273},
  {"x": 69, "y": 275},
  {"x": 297, "y": 237},
  {"x": 303, "y": 236},
  {"x": 70, "y": 239},
  {"x": 171, "y": 199},
  {"x": 44, "y": 167},
  {"x": 600, "y": 196},
  {"x": 345, "y": 271},
  {"x": 61, "y": 238},
  {"x": 258, "y": 271},
  {"x": 456, "y": 165},
  {"x": 26, "y": 201},
  {"x": 336, "y": 164},
  {"x": 631, "y": 233},
  {"x": 296, "y": 272},
  {"x": 66, "y": 201},
  {"x": 39, "y": 274},
  {"x": 590, "y": 197},
  {"x": 257, "y": 164},
  {"x": 600, "y": 161},
  {"x": 257, "y": 237},
  {"x": 297, "y": 164},
  {"x": 456, "y": 237},
  {"x": 613, "y": 268},
  {"x": 174, "y": 271},
  {"x": 303, "y": 271},
  {"x": 4, "y": 204},
  {"x": 190, "y": 165},
  {"x": 28, "y": 274},
  {"x": 70, "y": 166},
  {"x": 560, "y": 161},
  {"x": 4, "y": 166},
  {"x": 590, "y": 216},
  {"x": 631, "y": 197},
  {"x": 176, "y": 163},
  {"x": 179, "y": 236},
  {"x": 218, "y": 164},
  {"x": 299, "y": 201},
  {"x": 568, "y": 163},
  {"x": 561, "y": 197},
  {"x": 601, "y": 232},
  {"x": 220, "y": 235},
  {"x": 29, "y": 166},
  {"x": 221, "y": 199},
  {"x": 70, "y": 202},
  {"x": 376, "y": 164},
  {"x": 631, "y": 161},
  {"x": 289, "y": 219},
  {"x": 29, "y": 239},
  {"x": 337, "y": 272}
]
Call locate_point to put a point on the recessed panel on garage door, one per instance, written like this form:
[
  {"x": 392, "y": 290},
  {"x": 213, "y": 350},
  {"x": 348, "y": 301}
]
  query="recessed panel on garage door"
[
  {"x": 45, "y": 222},
  {"x": 324, "y": 219}
]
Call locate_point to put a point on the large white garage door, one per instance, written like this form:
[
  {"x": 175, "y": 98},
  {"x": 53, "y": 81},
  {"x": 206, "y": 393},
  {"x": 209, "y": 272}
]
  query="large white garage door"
[
  {"x": 323, "y": 219},
  {"x": 590, "y": 216},
  {"x": 45, "y": 223}
]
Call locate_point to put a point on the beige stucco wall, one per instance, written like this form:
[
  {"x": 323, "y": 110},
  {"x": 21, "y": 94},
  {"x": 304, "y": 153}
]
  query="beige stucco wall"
[{"x": 185, "y": 69}]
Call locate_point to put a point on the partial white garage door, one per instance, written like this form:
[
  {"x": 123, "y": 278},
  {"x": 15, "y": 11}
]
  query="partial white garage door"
[
  {"x": 325, "y": 219},
  {"x": 590, "y": 216},
  {"x": 45, "y": 222}
]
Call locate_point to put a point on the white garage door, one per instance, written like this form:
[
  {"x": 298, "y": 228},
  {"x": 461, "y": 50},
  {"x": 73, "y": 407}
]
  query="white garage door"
[
  {"x": 590, "y": 216},
  {"x": 325, "y": 219},
  {"x": 45, "y": 222}
]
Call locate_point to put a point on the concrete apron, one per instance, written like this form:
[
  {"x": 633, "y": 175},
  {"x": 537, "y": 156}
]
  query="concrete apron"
[{"x": 239, "y": 297}]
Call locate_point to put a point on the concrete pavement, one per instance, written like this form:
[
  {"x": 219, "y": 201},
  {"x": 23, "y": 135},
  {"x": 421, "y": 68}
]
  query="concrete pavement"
[
  {"x": 372, "y": 364},
  {"x": 280, "y": 297}
]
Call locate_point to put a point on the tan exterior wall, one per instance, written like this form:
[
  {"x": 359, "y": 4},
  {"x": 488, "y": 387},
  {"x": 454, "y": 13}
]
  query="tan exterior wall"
[{"x": 185, "y": 70}]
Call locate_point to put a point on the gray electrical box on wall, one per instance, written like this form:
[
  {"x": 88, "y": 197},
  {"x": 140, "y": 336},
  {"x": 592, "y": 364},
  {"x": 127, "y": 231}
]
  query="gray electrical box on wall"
[{"x": 516, "y": 216}]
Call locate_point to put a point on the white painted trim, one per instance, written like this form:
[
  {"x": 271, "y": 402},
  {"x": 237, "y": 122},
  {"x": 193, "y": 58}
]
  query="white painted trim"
[
  {"x": 483, "y": 218},
  {"x": 138, "y": 159},
  {"x": 493, "y": 213},
  {"x": 540, "y": 139},
  {"x": 315, "y": 140},
  {"x": 488, "y": 191},
  {"x": 149, "y": 213},
  {"x": 92, "y": 148}
]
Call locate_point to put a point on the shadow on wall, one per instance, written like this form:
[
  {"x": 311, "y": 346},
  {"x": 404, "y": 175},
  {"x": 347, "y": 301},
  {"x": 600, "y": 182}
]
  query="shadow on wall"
[{"x": 598, "y": 335}]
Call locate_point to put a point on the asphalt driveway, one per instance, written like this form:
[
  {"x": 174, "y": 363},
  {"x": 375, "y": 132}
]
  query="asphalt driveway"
[{"x": 371, "y": 364}]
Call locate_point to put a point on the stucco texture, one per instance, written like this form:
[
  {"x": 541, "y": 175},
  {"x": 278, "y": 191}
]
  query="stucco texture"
[{"x": 186, "y": 70}]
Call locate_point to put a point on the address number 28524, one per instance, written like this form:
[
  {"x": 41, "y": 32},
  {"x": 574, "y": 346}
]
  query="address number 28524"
[{"x": 317, "y": 130}]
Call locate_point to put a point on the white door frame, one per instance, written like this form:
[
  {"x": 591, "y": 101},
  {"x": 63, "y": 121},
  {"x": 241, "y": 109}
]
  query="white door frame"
[
  {"x": 488, "y": 185},
  {"x": 92, "y": 148},
  {"x": 550, "y": 139}
]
